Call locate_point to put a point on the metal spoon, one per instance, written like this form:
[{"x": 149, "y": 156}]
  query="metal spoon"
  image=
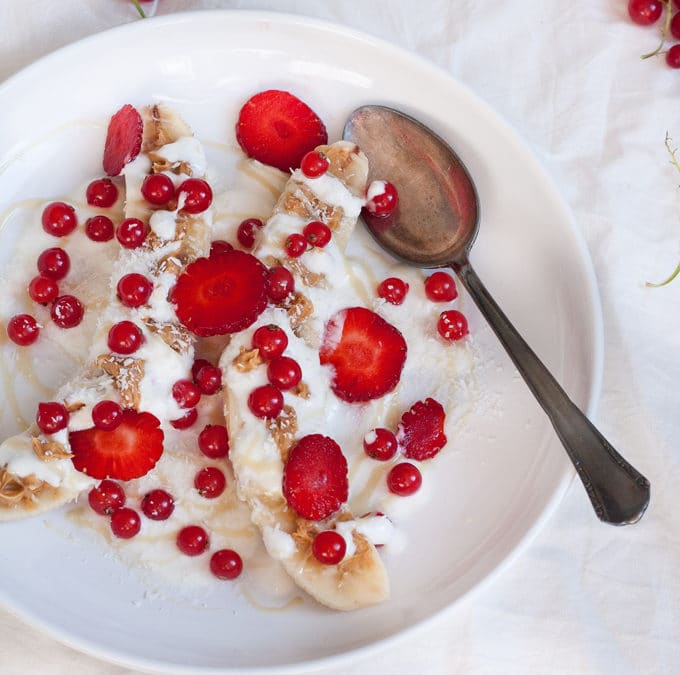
[{"x": 435, "y": 225}]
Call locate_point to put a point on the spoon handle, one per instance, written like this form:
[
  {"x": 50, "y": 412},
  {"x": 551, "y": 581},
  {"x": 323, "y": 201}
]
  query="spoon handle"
[{"x": 618, "y": 492}]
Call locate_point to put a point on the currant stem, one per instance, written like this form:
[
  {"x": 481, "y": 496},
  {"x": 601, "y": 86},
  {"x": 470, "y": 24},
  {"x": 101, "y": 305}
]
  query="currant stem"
[
  {"x": 139, "y": 8},
  {"x": 675, "y": 273},
  {"x": 664, "y": 32}
]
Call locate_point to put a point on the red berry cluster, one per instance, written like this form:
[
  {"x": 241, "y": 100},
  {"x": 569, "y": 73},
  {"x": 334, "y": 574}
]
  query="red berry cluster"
[
  {"x": 404, "y": 478},
  {"x": 648, "y": 12}
]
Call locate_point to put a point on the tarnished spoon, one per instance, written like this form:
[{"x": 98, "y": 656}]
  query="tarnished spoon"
[{"x": 435, "y": 226}]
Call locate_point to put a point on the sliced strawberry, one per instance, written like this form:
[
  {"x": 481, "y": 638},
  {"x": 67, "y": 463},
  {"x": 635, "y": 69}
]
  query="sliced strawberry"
[
  {"x": 221, "y": 294},
  {"x": 123, "y": 139},
  {"x": 129, "y": 451},
  {"x": 421, "y": 430},
  {"x": 366, "y": 352},
  {"x": 315, "y": 482},
  {"x": 278, "y": 129}
]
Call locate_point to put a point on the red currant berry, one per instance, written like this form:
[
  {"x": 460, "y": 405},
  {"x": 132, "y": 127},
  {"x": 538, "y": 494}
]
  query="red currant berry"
[
  {"x": 270, "y": 340},
  {"x": 59, "y": 219},
  {"x": 192, "y": 540},
  {"x": 673, "y": 55},
  {"x": 452, "y": 325},
  {"x": 284, "y": 372},
  {"x": 317, "y": 233},
  {"x": 23, "y": 329},
  {"x": 196, "y": 367},
  {"x": 125, "y": 338},
  {"x": 381, "y": 198},
  {"x": 54, "y": 263},
  {"x": 158, "y": 189},
  {"x": 440, "y": 287},
  {"x": 265, "y": 402},
  {"x": 67, "y": 311},
  {"x": 209, "y": 380},
  {"x": 675, "y": 25},
  {"x": 295, "y": 245},
  {"x": 314, "y": 164},
  {"x": 404, "y": 479},
  {"x": 393, "y": 290},
  {"x": 246, "y": 231},
  {"x": 134, "y": 290},
  {"x": 329, "y": 547},
  {"x": 186, "y": 393},
  {"x": 213, "y": 441},
  {"x": 210, "y": 482},
  {"x": 101, "y": 193},
  {"x": 43, "y": 290},
  {"x": 107, "y": 415},
  {"x": 380, "y": 444},
  {"x": 220, "y": 246},
  {"x": 51, "y": 417},
  {"x": 280, "y": 283},
  {"x": 99, "y": 228},
  {"x": 131, "y": 233},
  {"x": 644, "y": 12},
  {"x": 194, "y": 196},
  {"x": 226, "y": 564},
  {"x": 106, "y": 498},
  {"x": 125, "y": 523},
  {"x": 187, "y": 420},
  {"x": 158, "y": 505}
]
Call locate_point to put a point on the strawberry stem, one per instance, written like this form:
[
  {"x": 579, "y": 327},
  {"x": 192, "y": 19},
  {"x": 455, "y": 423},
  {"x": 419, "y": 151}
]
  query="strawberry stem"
[
  {"x": 139, "y": 8},
  {"x": 664, "y": 32}
]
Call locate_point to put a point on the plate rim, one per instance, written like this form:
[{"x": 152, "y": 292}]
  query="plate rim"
[{"x": 593, "y": 303}]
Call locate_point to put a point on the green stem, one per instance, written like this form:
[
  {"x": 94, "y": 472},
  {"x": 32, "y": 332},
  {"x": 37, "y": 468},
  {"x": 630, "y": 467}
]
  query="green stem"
[
  {"x": 666, "y": 281},
  {"x": 139, "y": 8},
  {"x": 664, "y": 31}
]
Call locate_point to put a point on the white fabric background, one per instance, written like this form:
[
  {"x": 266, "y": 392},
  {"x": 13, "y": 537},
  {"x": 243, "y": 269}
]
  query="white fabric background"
[{"x": 583, "y": 598}]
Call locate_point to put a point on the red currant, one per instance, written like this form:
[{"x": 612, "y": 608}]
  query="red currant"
[
  {"x": 107, "y": 415},
  {"x": 101, "y": 193},
  {"x": 284, "y": 372},
  {"x": 158, "y": 189},
  {"x": 187, "y": 420},
  {"x": 125, "y": 523},
  {"x": 209, "y": 380},
  {"x": 452, "y": 325},
  {"x": 644, "y": 12},
  {"x": 54, "y": 263},
  {"x": 246, "y": 231},
  {"x": 265, "y": 402},
  {"x": 220, "y": 246},
  {"x": 210, "y": 482},
  {"x": 106, "y": 498},
  {"x": 440, "y": 287},
  {"x": 192, "y": 540},
  {"x": 295, "y": 245},
  {"x": 380, "y": 444},
  {"x": 43, "y": 289},
  {"x": 67, "y": 311},
  {"x": 131, "y": 233},
  {"x": 673, "y": 55},
  {"x": 99, "y": 228},
  {"x": 329, "y": 547},
  {"x": 134, "y": 290},
  {"x": 196, "y": 367},
  {"x": 194, "y": 195},
  {"x": 404, "y": 479},
  {"x": 270, "y": 340},
  {"x": 213, "y": 441},
  {"x": 280, "y": 283},
  {"x": 393, "y": 290},
  {"x": 186, "y": 393},
  {"x": 51, "y": 417},
  {"x": 675, "y": 24},
  {"x": 314, "y": 164},
  {"x": 226, "y": 564},
  {"x": 125, "y": 338},
  {"x": 23, "y": 329},
  {"x": 59, "y": 219},
  {"x": 158, "y": 505},
  {"x": 381, "y": 198},
  {"x": 317, "y": 233}
]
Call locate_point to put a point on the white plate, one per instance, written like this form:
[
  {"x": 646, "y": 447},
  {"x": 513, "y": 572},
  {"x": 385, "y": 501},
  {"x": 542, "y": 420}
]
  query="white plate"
[{"x": 488, "y": 498}]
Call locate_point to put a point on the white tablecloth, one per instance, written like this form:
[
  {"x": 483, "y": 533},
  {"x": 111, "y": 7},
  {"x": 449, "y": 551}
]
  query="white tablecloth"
[{"x": 583, "y": 597}]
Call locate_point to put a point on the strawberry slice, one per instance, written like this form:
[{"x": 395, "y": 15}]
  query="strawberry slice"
[
  {"x": 421, "y": 430},
  {"x": 221, "y": 294},
  {"x": 315, "y": 482},
  {"x": 130, "y": 451},
  {"x": 366, "y": 352},
  {"x": 123, "y": 139},
  {"x": 278, "y": 129}
]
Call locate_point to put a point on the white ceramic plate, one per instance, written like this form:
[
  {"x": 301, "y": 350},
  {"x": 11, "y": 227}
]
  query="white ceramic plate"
[{"x": 488, "y": 498}]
